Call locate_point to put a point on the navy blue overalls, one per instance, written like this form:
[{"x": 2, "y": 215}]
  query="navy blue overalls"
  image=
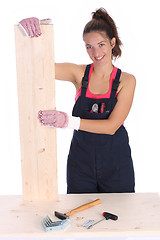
[{"x": 99, "y": 163}]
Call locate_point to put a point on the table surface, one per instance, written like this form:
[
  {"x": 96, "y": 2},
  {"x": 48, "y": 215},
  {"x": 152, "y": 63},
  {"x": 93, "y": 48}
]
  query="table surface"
[{"x": 138, "y": 214}]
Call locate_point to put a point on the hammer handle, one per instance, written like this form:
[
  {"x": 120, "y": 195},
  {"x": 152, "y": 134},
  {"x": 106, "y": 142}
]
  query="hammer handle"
[{"x": 83, "y": 207}]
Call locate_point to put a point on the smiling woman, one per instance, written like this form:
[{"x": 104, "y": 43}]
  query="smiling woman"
[
  {"x": 98, "y": 46},
  {"x": 102, "y": 23},
  {"x": 99, "y": 159}
]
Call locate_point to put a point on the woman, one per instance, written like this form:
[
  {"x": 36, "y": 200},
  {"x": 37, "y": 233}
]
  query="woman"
[{"x": 99, "y": 159}]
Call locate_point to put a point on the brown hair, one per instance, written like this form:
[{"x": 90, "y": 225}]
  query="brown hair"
[{"x": 102, "y": 22}]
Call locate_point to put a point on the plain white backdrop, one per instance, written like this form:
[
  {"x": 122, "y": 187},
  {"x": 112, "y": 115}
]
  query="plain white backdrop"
[{"x": 138, "y": 27}]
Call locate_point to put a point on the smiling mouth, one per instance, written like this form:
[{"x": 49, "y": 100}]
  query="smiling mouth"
[{"x": 99, "y": 58}]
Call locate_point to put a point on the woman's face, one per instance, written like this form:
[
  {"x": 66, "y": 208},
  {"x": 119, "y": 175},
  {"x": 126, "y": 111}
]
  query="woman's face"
[{"x": 99, "y": 47}]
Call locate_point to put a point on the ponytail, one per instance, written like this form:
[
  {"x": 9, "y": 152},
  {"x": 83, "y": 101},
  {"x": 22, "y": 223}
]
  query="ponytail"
[{"x": 102, "y": 22}]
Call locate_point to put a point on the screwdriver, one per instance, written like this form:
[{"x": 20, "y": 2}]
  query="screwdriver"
[{"x": 107, "y": 216}]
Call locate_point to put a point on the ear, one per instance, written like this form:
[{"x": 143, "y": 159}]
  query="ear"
[{"x": 113, "y": 42}]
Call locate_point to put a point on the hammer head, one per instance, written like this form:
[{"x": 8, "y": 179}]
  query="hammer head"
[{"x": 61, "y": 216}]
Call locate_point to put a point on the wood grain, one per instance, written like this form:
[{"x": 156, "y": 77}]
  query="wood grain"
[
  {"x": 36, "y": 91},
  {"x": 138, "y": 217}
]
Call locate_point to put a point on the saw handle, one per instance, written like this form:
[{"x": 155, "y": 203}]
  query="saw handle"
[{"x": 83, "y": 207}]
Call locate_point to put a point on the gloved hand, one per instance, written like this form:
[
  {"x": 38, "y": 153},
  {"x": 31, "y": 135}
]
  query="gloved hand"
[
  {"x": 57, "y": 119},
  {"x": 31, "y": 26}
]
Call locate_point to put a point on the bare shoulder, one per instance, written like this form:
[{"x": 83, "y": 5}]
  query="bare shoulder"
[{"x": 127, "y": 80}]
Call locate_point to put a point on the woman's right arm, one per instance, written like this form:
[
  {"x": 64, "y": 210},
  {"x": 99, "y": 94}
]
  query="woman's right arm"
[{"x": 69, "y": 72}]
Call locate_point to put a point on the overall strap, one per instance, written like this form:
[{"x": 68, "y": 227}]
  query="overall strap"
[
  {"x": 115, "y": 84},
  {"x": 85, "y": 81}
]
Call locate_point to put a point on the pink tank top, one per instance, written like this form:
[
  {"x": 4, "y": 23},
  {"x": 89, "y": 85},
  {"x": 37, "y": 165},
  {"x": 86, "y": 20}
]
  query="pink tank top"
[{"x": 97, "y": 96}]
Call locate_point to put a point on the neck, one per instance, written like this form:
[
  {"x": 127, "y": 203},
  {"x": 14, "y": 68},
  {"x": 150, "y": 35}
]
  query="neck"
[{"x": 103, "y": 70}]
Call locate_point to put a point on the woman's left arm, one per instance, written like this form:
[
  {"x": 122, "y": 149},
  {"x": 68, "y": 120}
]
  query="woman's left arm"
[
  {"x": 57, "y": 119},
  {"x": 120, "y": 112}
]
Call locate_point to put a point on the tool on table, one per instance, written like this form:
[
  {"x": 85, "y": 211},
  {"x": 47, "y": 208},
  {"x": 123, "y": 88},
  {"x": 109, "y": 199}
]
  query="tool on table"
[
  {"x": 49, "y": 225},
  {"x": 107, "y": 216},
  {"x": 89, "y": 222},
  {"x": 96, "y": 223},
  {"x": 110, "y": 216},
  {"x": 78, "y": 209}
]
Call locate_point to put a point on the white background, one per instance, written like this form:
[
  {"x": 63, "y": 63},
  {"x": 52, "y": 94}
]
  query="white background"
[{"x": 138, "y": 25}]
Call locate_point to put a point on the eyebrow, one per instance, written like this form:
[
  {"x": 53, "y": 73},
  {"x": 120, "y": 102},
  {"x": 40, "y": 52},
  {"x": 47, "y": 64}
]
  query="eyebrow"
[
  {"x": 101, "y": 42},
  {"x": 97, "y": 43}
]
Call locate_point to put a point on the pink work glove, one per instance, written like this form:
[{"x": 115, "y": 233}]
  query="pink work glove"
[
  {"x": 53, "y": 118},
  {"x": 31, "y": 26}
]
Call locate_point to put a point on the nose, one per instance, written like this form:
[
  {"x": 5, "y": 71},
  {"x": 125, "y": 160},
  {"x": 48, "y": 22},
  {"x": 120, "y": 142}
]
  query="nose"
[{"x": 96, "y": 52}]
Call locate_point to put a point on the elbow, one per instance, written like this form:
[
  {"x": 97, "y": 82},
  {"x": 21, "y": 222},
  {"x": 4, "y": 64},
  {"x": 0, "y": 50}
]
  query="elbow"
[
  {"x": 112, "y": 132},
  {"x": 112, "y": 128}
]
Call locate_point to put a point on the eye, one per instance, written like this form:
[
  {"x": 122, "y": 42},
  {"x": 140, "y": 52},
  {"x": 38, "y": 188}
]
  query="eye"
[
  {"x": 88, "y": 47},
  {"x": 101, "y": 44}
]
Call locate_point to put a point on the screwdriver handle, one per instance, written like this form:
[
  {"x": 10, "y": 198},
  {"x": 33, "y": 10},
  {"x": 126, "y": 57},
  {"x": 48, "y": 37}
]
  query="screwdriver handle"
[{"x": 108, "y": 215}]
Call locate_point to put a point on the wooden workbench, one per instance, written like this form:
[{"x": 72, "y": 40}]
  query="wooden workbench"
[{"x": 139, "y": 216}]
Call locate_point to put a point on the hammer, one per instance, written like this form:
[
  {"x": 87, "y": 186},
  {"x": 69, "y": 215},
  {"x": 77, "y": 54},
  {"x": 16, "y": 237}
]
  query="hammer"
[{"x": 63, "y": 216}]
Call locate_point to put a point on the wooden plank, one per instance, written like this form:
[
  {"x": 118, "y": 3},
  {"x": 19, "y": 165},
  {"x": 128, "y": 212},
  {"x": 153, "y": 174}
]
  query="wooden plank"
[
  {"x": 139, "y": 215},
  {"x": 36, "y": 91}
]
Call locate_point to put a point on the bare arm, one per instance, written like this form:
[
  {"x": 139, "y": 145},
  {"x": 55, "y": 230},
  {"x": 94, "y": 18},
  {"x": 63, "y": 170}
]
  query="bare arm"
[
  {"x": 69, "y": 72},
  {"x": 120, "y": 112}
]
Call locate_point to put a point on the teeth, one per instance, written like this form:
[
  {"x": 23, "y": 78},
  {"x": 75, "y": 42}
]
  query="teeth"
[{"x": 99, "y": 58}]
